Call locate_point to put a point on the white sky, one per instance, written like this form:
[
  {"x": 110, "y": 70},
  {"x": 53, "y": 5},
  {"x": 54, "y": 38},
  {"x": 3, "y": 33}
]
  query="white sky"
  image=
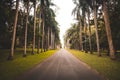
[{"x": 63, "y": 15}]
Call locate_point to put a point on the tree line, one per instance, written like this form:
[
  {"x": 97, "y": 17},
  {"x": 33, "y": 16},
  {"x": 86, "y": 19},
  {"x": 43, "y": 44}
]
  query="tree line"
[
  {"x": 20, "y": 28},
  {"x": 96, "y": 27}
]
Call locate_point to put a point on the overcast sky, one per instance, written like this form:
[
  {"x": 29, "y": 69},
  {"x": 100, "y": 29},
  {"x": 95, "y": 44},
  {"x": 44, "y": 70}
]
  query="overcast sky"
[{"x": 63, "y": 15}]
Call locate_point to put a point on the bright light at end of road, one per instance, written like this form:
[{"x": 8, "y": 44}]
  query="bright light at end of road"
[{"x": 63, "y": 16}]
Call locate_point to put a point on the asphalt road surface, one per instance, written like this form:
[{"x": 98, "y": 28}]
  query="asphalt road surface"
[{"x": 61, "y": 66}]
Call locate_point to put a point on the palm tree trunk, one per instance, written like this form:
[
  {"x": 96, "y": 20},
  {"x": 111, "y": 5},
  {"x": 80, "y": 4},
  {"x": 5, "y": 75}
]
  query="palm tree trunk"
[
  {"x": 85, "y": 34},
  {"x": 81, "y": 43},
  {"x": 96, "y": 29},
  {"x": 89, "y": 29},
  {"x": 38, "y": 50},
  {"x": 44, "y": 42},
  {"x": 14, "y": 32},
  {"x": 108, "y": 31},
  {"x": 48, "y": 37},
  {"x": 42, "y": 36},
  {"x": 33, "y": 47},
  {"x": 51, "y": 40},
  {"x": 26, "y": 27}
]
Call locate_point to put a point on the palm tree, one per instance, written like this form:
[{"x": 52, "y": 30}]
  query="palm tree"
[
  {"x": 96, "y": 26},
  {"x": 26, "y": 27},
  {"x": 108, "y": 30},
  {"x": 41, "y": 23},
  {"x": 55, "y": 36},
  {"x": 89, "y": 29},
  {"x": 38, "y": 50},
  {"x": 107, "y": 25},
  {"x": 86, "y": 10},
  {"x": 80, "y": 33},
  {"x": 51, "y": 43},
  {"x": 94, "y": 4},
  {"x": 84, "y": 5},
  {"x": 39, "y": 13},
  {"x": 42, "y": 33},
  {"x": 38, "y": 44},
  {"x": 34, "y": 28},
  {"x": 72, "y": 36},
  {"x": 76, "y": 11},
  {"x": 14, "y": 32},
  {"x": 85, "y": 35},
  {"x": 48, "y": 20},
  {"x": 57, "y": 39},
  {"x": 50, "y": 24},
  {"x": 42, "y": 6},
  {"x": 48, "y": 38}
]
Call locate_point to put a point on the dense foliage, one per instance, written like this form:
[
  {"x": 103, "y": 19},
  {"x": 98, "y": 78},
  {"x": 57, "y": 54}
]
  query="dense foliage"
[
  {"x": 7, "y": 14},
  {"x": 94, "y": 29}
]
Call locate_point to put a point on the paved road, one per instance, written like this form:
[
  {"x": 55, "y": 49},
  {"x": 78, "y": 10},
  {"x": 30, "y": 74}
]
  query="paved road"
[{"x": 61, "y": 66}]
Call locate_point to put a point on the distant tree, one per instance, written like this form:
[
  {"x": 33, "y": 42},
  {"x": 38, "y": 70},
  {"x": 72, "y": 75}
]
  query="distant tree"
[{"x": 72, "y": 35}]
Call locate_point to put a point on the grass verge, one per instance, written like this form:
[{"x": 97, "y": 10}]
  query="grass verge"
[
  {"x": 110, "y": 69},
  {"x": 9, "y": 70}
]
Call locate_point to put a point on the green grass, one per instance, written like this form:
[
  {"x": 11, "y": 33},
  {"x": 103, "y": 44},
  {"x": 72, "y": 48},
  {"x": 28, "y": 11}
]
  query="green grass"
[
  {"x": 110, "y": 69},
  {"x": 9, "y": 70}
]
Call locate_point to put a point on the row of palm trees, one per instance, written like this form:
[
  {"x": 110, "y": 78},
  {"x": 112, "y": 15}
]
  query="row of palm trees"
[
  {"x": 82, "y": 12},
  {"x": 44, "y": 17}
]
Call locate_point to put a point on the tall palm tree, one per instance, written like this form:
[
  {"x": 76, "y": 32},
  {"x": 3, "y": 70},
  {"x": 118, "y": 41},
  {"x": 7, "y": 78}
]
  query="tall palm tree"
[
  {"x": 38, "y": 50},
  {"x": 108, "y": 30},
  {"x": 34, "y": 28},
  {"x": 43, "y": 22},
  {"x": 76, "y": 11},
  {"x": 96, "y": 26},
  {"x": 48, "y": 23},
  {"x": 86, "y": 14},
  {"x": 80, "y": 33},
  {"x": 43, "y": 25},
  {"x": 26, "y": 27},
  {"x": 84, "y": 5},
  {"x": 14, "y": 31},
  {"x": 89, "y": 29},
  {"x": 85, "y": 35},
  {"x": 51, "y": 43},
  {"x": 94, "y": 4},
  {"x": 48, "y": 38}
]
